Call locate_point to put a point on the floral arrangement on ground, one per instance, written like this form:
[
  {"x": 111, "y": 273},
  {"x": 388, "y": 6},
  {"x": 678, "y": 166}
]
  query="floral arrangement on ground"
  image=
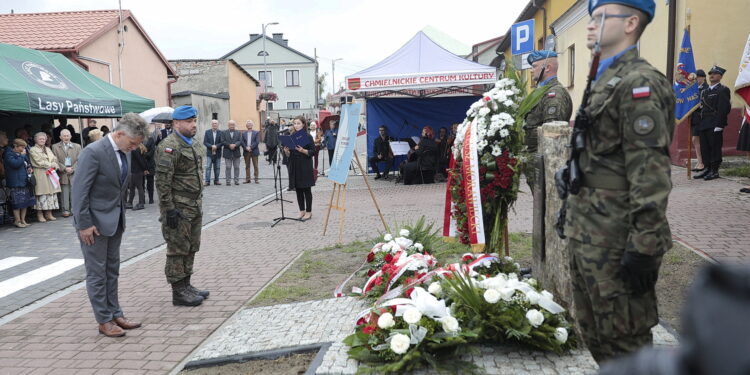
[{"x": 425, "y": 313}]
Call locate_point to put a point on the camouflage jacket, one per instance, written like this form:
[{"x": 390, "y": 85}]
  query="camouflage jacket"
[
  {"x": 555, "y": 105},
  {"x": 179, "y": 172},
  {"x": 626, "y": 164}
]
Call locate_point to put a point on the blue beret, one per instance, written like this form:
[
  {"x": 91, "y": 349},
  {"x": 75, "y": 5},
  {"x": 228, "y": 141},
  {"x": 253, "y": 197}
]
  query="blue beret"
[
  {"x": 184, "y": 112},
  {"x": 646, "y": 6},
  {"x": 535, "y": 56}
]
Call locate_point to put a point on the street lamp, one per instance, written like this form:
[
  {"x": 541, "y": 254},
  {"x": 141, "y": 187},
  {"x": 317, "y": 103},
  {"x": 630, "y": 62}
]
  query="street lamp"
[
  {"x": 333, "y": 75},
  {"x": 265, "y": 53}
]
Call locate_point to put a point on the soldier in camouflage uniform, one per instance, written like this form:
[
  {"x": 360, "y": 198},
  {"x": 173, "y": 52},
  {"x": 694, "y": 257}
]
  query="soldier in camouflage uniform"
[
  {"x": 179, "y": 176},
  {"x": 555, "y": 105},
  {"x": 617, "y": 223}
]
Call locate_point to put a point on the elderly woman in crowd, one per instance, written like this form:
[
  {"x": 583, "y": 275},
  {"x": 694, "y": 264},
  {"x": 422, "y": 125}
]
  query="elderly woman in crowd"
[
  {"x": 17, "y": 171},
  {"x": 44, "y": 163},
  {"x": 95, "y": 135}
]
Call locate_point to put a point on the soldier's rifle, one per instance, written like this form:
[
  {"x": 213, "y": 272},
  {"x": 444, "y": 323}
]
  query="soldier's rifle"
[{"x": 569, "y": 178}]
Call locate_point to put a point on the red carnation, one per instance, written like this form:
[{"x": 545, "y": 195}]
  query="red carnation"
[
  {"x": 468, "y": 258},
  {"x": 408, "y": 292},
  {"x": 370, "y": 273},
  {"x": 361, "y": 321},
  {"x": 370, "y": 257},
  {"x": 388, "y": 258},
  {"x": 369, "y": 330},
  {"x": 487, "y": 98},
  {"x": 378, "y": 280}
]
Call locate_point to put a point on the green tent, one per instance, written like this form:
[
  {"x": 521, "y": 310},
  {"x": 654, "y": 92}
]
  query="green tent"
[{"x": 48, "y": 83}]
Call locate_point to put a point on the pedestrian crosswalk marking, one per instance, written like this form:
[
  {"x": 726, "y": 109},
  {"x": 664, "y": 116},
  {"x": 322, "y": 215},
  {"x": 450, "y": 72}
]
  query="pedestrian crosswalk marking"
[
  {"x": 13, "y": 261},
  {"x": 38, "y": 275}
]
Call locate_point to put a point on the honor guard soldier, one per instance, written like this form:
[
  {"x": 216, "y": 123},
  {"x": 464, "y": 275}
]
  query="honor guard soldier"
[
  {"x": 715, "y": 107},
  {"x": 619, "y": 181},
  {"x": 179, "y": 177},
  {"x": 555, "y": 104}
]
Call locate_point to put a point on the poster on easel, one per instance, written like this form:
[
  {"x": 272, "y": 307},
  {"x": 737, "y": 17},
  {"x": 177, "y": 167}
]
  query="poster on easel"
[{"x": 342, "y": 156}]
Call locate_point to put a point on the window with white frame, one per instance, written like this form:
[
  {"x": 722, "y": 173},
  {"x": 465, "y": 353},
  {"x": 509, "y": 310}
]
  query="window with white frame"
[
  {"x": 292, "y": 105},
  {"x": 292, "y": 77},
  {"x": 262, "y": 77}
]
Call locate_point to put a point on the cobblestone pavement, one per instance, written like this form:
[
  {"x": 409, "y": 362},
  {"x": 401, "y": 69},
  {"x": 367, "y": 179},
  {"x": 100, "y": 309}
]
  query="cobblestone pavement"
[
  {"x": 286, "y": 326},
  {"x": 52, "y": 242}
]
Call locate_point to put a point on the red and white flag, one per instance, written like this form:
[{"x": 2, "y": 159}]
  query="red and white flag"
[{"x": 742, "y": 85}]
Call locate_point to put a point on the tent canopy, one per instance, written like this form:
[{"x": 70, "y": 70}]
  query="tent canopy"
[
  {"x": 420, "y": 64},
  {"x": 48, "y": 83}
]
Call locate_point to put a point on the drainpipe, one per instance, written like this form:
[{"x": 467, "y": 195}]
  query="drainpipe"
[
  {"x": 169, "y": 90},
  {"x": 671, "y": 38},
  {"x": 109, "y": 65}
]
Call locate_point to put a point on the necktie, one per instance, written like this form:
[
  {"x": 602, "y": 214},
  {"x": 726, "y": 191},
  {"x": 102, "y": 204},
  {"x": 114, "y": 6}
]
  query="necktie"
[{"x": 123, "y": 167}]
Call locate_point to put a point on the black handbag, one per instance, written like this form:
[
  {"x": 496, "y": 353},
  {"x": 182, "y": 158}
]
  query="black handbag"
[{"x": 31, "y": 182}]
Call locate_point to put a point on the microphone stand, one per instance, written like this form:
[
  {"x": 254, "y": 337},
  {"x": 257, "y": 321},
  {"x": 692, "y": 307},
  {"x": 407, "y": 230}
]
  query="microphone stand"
[{"x": 277, "y": 183}]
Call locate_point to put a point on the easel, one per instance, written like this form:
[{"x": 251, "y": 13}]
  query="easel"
[{"x": 339, "y": 191}]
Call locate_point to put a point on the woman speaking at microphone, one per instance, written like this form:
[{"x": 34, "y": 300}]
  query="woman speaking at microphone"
[{"x": 301, "y": 177}]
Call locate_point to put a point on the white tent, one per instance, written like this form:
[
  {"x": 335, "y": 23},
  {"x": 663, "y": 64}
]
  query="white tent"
[{"x": 420, "y": 64}]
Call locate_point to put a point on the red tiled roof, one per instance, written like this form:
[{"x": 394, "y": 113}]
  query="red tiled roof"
[
  {"x": 65, "y": 31},
  {"x": 55, "y": 31}
]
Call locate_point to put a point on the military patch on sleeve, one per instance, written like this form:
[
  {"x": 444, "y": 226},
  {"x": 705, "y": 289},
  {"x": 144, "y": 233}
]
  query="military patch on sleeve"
[
  {"x": 551, "y": 110},
  {"x": 641, "y": 92},
  {"x": 168, "y": 150},
  {"x": 643, "y": 125},
  {"x": 551, "y": 94},
  {"x": 164, "y": 162}
]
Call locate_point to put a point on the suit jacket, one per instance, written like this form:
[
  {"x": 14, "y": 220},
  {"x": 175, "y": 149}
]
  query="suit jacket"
[
  {"x": 59, "y": 150},
  {"x": 715, "y": 107},
  {"x": 208, "y": 141},
  {"x": 383, "y": 148},
  {"x": 226, "y": 139},
  {"x": 252, "y": 142},
  {"x": 98, "y": 197}
]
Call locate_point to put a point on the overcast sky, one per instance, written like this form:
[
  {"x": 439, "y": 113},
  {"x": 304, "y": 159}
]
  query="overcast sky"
[{"x": 360, "y": 32}]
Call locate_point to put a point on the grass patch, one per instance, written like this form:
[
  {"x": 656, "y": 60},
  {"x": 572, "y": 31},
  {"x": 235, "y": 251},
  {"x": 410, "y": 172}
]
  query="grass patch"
[{"x": 739, "y": 171}]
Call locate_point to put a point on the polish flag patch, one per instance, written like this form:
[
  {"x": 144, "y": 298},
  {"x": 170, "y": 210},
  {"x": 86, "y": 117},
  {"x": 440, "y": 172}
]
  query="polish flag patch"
[
  {"x": 551, "y": 94},
  {"x": 641, "y": 92},
  {"x": 168, "y": 150}
]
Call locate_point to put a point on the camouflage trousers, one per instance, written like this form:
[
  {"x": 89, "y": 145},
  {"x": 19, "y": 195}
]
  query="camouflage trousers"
[
  {"x": 182, "y": 243},
  {"x": 611, "y": 319}
]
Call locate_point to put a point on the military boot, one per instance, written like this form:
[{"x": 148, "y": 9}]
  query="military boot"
[
  {"x": 194, "y": 290},
  {"x": 182, "y": 296}
]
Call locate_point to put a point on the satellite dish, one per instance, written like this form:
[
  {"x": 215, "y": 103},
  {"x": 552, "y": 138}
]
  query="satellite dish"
[{"x": 549, "y": 42}]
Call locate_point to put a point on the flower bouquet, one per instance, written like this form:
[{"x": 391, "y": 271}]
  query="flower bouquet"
[
  {"x": 399, "y": 274},
  {"x": 405, "y": 333}
]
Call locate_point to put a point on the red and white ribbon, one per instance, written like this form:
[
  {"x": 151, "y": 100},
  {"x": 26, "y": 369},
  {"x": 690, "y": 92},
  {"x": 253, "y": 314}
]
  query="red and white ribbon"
[{"x": 470, "y": 173}]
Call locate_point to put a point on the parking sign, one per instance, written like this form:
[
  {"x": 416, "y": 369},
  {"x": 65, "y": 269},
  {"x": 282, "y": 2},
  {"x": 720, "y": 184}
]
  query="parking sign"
[{"x": 522, "y": 37}]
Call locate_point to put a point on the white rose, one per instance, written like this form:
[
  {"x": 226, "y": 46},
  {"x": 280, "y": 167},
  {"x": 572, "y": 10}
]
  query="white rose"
[
  {"x": 404, "y": 233},
  {"x": 532, "y": 282},
  {"x": 535, "y": 317},
  {"x": 404, "y": 242},
  {"x": 435, "y": 288},
  {"x": 412, "y": 316},
  {"x": 484, "y": 111},
  {"x": 507, "y": 293},
  {"x": 561, "y": 335},
  {"x": 450, "y": 324},
  {"x": 533, "y": 297},
  {"x": 387, "y": 237},
  {"x": 496, "y": 283},
  {"x": 385, "y": 321},
  {"x": 547, "y": 294},
  {"x": 491, "y": 295},
  {"x": 418, "y": 246},
  {"x": 400, "y": 343}
]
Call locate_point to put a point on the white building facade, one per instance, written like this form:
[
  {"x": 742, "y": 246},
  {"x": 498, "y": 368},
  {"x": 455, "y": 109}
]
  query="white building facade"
[{"x": 290, "y": 74}]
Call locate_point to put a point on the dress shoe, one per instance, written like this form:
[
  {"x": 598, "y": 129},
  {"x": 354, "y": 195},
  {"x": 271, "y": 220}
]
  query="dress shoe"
[
  {"x": 126, "y": 323},
  {"x": 257, "y": 182},
  {"x": 139, "y": 206},
  {"x": 236, "y": 183},
  {"x": 65, "y": 214},
  {"x": 699, "y": 169},
  {"x": 378, "y": 176},
  {"x": 110, "y": 329},
  {"x": 217, "y": 183},
  {"x": 745, "y": 190},
  {"x": 701, "y": 176},
  {"x": 128, "y": 205},
  {"x": 247, "y": 182},
  {"x": 711, "y": 176},
  {"x": 206, "y": 184},
  {"x": 151, "y": 201}
]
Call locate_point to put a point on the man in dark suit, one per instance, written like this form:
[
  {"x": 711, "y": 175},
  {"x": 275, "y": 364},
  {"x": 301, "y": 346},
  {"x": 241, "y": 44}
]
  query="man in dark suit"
[
  {"x": 383, "y": 153},
  {"x": 250, "y": 150},
  {"x": 212, "y": 141},
  {"x": 231, "y": 141},
  {"x": 715, "y": 107},
  {"x": 99, "y": 186}
]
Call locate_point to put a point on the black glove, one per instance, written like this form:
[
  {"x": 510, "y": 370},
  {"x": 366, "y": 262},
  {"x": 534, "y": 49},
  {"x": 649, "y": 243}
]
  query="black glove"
[
  {"x": 173, "y": 217},
  {"x": 640, "y": 271}
]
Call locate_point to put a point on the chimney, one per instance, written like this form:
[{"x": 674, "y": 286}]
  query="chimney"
[
  {"x": 285, "y": 42},
  {"x": 278, "y": 37},
  {"x": 253, "y": 36}
]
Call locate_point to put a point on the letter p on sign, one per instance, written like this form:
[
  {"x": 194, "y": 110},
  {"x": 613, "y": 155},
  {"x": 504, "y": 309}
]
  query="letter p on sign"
[{"x": 522, "y": 37}]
